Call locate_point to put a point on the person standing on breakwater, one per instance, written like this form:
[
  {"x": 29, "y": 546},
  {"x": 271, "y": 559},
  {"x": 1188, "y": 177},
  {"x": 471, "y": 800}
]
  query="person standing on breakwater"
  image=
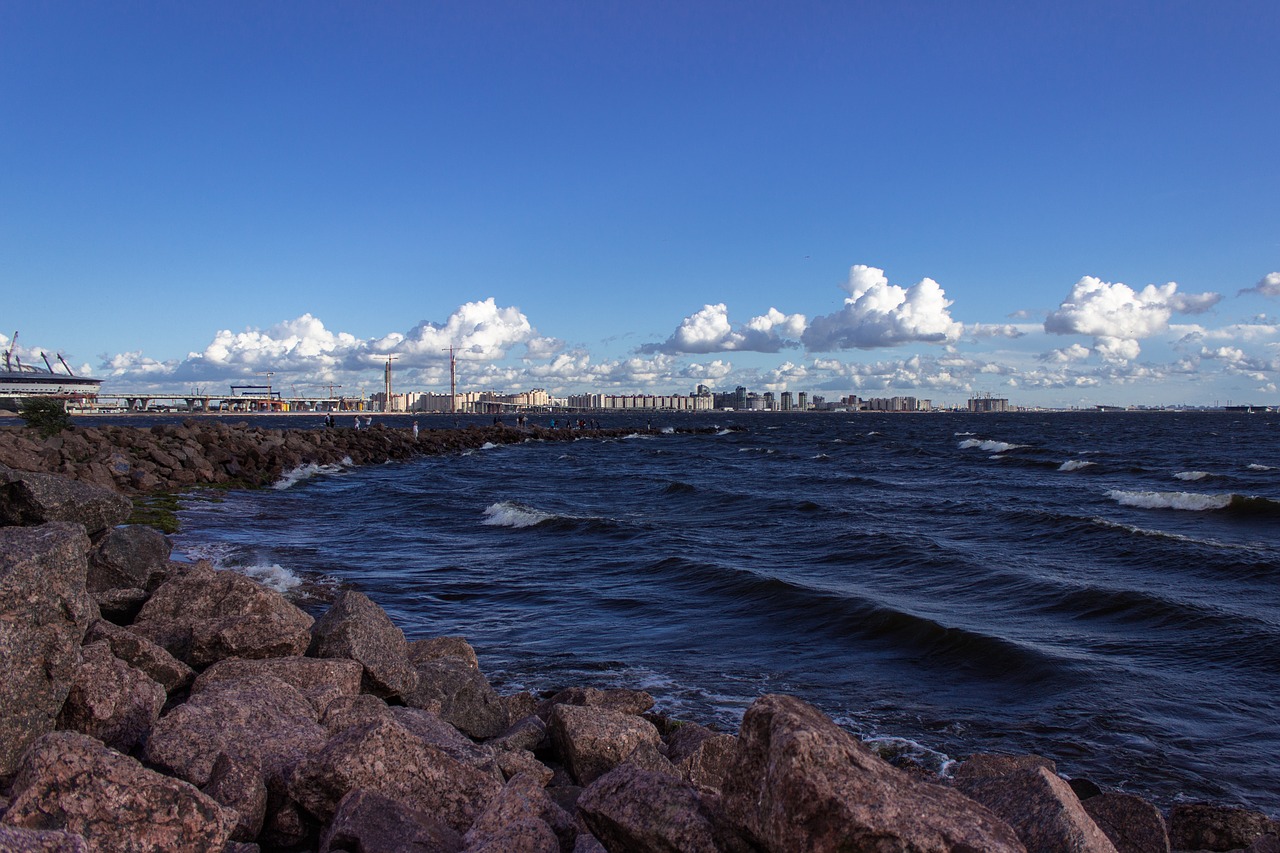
[
  {"x": 415, "y": 430},
  {"x": 357, "y": 422}
]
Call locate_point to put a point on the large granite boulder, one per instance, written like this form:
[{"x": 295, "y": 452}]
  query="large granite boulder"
[
  {"x": 371, "y": 823},
  {"x": 461, "y": 695},
  {"x": 618, "y": 699},
  {"x": 800, "y": 782},
  {"x": 641, "y": 811},
  {"x": 15, "y": 840},
  {"x": 358, "y": 629},
  {"x": 139, "y": 652},
  {"x": 110, "y": 700},
  {"x": 386, "y": 758},
  {"x": 44, "y": 613},
  {"x": 1203, "y": 826},
  {"x": 239, "y": 785},
  {"x": 701, "y": 755},
  {"x": 29, "y": 499},
  {"x": 257, "y": 720},
  {"x": 320, "y": 680},
  {"x": 1133, "y": 824},
  {"x": 519, "y": 817},
  {"x": 1042, "y": 809},
  {"x": 127, "y": 558},
  {"x": 591, "y": 741},
  {"x": 71, "y": 782},
  {"x": 206, "y": 615}
]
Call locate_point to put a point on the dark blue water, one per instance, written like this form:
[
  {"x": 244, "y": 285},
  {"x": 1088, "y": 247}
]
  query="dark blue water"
[{"x": 1103, "y": 589}]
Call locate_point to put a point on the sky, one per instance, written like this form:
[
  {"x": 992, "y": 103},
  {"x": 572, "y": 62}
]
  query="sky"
[{"x": 1062, "y": 204}]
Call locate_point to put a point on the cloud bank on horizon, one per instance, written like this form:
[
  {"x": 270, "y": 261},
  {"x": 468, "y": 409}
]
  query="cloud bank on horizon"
[{"x": 499, "y": 348}]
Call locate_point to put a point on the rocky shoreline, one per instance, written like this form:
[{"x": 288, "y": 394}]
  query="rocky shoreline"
[{"x": 148, "y": 704}]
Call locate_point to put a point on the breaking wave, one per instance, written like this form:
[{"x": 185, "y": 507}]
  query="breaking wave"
[
  {"x": 1191, "y": 475},
  {"x": 311, "y": 469},
  {"x": 1197, "y": 502},
  {"x": 989, "y": 445},
  {"x": 512, "y": 514},
  {"x": 1074, "y": 465}
]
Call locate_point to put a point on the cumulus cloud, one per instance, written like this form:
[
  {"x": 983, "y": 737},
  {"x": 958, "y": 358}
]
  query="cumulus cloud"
[
  {"x": 1117, "y": 317},
  {"x": 1066, "y": 355},
  {"x": 709, "y": 330},
  {"x": 879, "y": 314},
  {"x": 477, "y": 330},
  {"x": 1268, "y": 285}
]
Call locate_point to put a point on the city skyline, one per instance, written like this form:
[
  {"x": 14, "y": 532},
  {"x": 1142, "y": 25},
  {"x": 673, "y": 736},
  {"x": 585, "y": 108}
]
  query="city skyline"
[{"x": 1064, "y": 207}]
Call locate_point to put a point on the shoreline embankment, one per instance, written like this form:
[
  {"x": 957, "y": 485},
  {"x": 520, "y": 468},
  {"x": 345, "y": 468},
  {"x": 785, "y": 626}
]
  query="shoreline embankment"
[{"x": 149, "y": 704}]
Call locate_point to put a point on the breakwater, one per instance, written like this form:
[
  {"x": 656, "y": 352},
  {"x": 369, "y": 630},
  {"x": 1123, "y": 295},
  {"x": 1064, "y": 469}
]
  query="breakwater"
[{"x": 293, "y": 712}]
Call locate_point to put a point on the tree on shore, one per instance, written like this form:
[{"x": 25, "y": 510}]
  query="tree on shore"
[{"x": 45, "y": 415}]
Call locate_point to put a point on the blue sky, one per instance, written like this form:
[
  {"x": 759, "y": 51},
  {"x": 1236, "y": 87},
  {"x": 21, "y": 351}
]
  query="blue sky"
[{"x": 921, "y": 198}]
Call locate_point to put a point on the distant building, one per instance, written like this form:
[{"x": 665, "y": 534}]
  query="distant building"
[{"x": 988, "y": 404}]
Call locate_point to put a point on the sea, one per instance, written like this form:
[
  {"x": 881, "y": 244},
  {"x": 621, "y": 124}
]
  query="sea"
[{"x": 1101, "y": 588}]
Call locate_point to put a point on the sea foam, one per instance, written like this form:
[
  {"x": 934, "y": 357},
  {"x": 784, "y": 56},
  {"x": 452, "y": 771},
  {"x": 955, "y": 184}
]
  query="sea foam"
[
  {"x": 222, "y": 555},
  {"x": 1074, "y": 465},
  {"x": 1171, "y": 500},
  {"x": 989, "y": 445},
  {"x": 311, "y": 469},
  {"x": 512, "y": 514},
  {"x": 1191, "y": 475}
]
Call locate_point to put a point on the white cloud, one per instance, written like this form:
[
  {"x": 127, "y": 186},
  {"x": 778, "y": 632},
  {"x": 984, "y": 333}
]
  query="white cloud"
[
  {"x": 1117, "y": 317},
  {"x": 1268, "y": 285},
  {"x": 709, "y": 330},
  {"x": 1066, "y": 355},
  {"x": 477, "y": 330},
  {"x": 879, "y": 314}
]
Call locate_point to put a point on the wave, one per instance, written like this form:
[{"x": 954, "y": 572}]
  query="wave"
[
  {"x": 725, "y": 432},
  {"x": 311, "y": 469},
  {"x": 989, "y": 445},
  {"x": 1075, "y": 465},
  {"x": 1254, "y": 466},
  {"x": 677, "y": 487},
  {"x": 512, "y": 514},
  {"x": 222, "y": 556},
  {"x": 1191, "y": 475},
  {"x": 1197, "y": 502}
]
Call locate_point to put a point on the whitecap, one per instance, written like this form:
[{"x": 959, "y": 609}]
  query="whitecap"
[
  {"x": 311, "y": 469},
  {"x": 488, "y": 445},
  {"x": 1170, "y": 500},
  {"x": 512, "y": 514},
  {"x": 989, "y": 445},
  {"x": 1191, "y": 475},
  {"x": 724, "y": 432},
  {"x": 1254, "y": 466},
  {"x": 1074, "y": 465},
  {"x": 272, "y": 575},
  {"x": 668, "y": 430},
  {"x": 223, "y": 556}
]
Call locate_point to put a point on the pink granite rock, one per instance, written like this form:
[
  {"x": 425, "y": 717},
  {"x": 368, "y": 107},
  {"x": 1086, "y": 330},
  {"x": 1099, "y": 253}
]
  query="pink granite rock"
[
  {"x": 358, "y": 629},
  {"x": 110, "y": 700},
  {"x": 1041, "y": 808},
  {"x": 1133, "y": 824},
  {"x": 371, "y": 823},
  {"x": 592, "y": 740}
]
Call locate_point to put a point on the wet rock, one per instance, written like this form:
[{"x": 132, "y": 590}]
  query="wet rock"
[
  {"x": 206, "y": 615},
  {"x": 357, "y": 629},
  {"x": 239, "y": 786},
  {"x": 515, "y": 820},
  {"x": 28, "y": 499},
  {"x": 321, "y": 681},
  {"x": 140, "y": 653},
  {"x": 645, "y": 812},
  {"x": 701, "y": 755},
  {"x": 1133, "y": 824},
  {"x": 800, "y": 782},
  {"x": 127, "y": 557},
  {"x": 371, "y": 823},
  {"x": 72, "y": 782},
  {"x": 1202, "y": 826},
  {"x": 110, "y": 700},
  {"x": 44, "y": 612},
  {"x": 257, "y": 720},
  {"x": 1041, "y": 808},
  {"x": 623, "y": 701},
  {"x": 386, "y": 758},
  {"x": 15, "y": 840},
  {"x": 591, "y": 741},
  {"x": 461, "y": 694}
]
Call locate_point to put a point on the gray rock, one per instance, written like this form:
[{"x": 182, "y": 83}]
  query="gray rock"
[
  {"x": 358, "y": 629},
  {"x": 44, "y": 612},
  {"x": 72, "y": 782},
  {"x": 371, "y": 823},
  {"x": 1133, "y": 824},
  {"x": 591, "y": 741},
  {"x": 127, "y": 557},
  {"x": 110, "y": 700},
  {"x": 31, "y": 499},
  {"x": 1042, "y": 809},
  {"x": 139, "y": 652},
  {"x": 1202, "y": 826},
  {"x": 800, "y": 782}
]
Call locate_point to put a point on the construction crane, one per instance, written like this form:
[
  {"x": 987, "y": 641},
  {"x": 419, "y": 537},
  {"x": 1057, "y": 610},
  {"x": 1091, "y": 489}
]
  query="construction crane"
[
  {"x": 453, "y": 382},
  {"x": 386, "y": 403}
]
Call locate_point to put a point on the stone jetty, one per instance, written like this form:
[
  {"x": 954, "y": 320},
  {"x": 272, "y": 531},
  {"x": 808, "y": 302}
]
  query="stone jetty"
[{"x": 154, "y": 705}]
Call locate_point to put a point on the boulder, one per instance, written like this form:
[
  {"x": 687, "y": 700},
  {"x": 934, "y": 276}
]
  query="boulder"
[
  {"x": 800, "y": 782},
  {"x": 257, "y": 720},
  {"x": 206, "y": 615},
  {"x": 460, "y": 694},
  {"x": 618, "y": 699},
  {"x": 321, "y": 681},
  {"x": 591, "y": 741},
  {"x": 986, "y": 764},
  {"x": 645, "y": 812},
  {"x": 127, "y": 557},
  {"x": 1133, "y": 824},
  {"x": 443, "y": 648},
  {"x": 15, "y": 840},
  {"x": 347, "y": 711},
  {"x": 519, "y": 818},
  {"x": 120, "y": 606},
  {"x": 239, "y": 786},
  {"x": 371, "y": 823},
  {"x": 358, "y": 629},
  {"x": 1042, "y": 809},
  {"x": 527, "y": 733},
  {"x": 436, "y": 732},
  {"x": 386, "y": 758},
  {"x": 110, "y": 700},
  {"x": 139, "y": 652},
  {"x": 71, "y": 782},
  {"x": 701, "y": 755},
  {"x": 44, "y": 612},
  {"x": 31, "y": 499},
  {"x": 1203, "y": 826}
]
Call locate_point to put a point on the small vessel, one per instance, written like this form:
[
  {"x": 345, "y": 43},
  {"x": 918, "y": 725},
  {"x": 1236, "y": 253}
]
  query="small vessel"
[{"x": 19, "y": 381}]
